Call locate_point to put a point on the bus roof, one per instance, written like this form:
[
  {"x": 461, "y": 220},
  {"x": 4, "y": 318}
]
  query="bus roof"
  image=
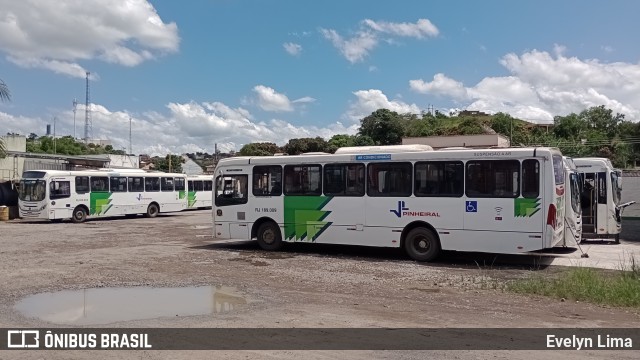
[
  {"x": 383, "y": 148},
  {"x": 367, "y": 156},
  {"x": 94, "y": 172},
  {"x": 593, "y": 162}
]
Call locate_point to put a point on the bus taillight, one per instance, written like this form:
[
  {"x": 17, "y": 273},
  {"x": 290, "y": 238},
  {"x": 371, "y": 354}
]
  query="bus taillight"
[{"x": 551, "y": 217}]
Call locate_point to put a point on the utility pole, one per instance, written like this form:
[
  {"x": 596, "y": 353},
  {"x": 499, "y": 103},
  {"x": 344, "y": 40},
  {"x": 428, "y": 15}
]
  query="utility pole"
[
  {"x": 54, "y": 134},
  {"x": 169, "y": 162},
  {"x": 511, "y": 133},
  {"x": 130, "y": 151}
]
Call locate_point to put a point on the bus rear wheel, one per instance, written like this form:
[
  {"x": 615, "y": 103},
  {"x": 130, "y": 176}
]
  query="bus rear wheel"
[
  {"x": 152, "y": 211},
  {"x": 269, "y": 237},
  {"x": 79, "y": 215},
  {"x": 422, "y": 244}
]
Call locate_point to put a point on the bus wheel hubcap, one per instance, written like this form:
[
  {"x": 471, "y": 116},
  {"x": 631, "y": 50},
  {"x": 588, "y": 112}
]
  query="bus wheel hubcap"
[
  {"x": 268, "y": 237},
  {"x": 422, "y": 245}
]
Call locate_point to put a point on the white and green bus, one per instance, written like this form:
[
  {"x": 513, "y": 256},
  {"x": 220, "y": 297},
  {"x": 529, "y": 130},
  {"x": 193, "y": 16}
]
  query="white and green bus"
[
  {"x": 77, "y": 195},
  {"x": 573, "y": 210},
  {"x": 601, "y": 198},
  {"x": 199, "y": 191},
  {"x": 482, "y": 200}
]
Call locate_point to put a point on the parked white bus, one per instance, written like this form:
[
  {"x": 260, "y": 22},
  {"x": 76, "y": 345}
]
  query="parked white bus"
[
  {"x": 485, "y": 200},
  {"x": 601, "y": 198},
  {"x": 58, "y": 195},
  {"x": 573, "y": 210},
  {"x": 199, "y": 191}
]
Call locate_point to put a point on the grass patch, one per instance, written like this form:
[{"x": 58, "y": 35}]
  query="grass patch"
[{"x": 620, "y": 288}]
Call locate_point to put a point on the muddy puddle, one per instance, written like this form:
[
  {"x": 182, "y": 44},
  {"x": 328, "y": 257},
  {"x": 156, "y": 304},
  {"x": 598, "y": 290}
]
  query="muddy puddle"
[{"x": 109, "y": 305}]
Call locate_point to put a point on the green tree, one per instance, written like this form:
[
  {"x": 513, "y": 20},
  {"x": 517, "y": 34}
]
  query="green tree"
[
  {"x": 5, "y": 95},
  {"x": 384, "y": 126},
  {"x": 163, "y": 164},
  {"x": 470, "y": 126},
  {"x": 259, "y": 149},
  {"x": 340, "y": 140},
  {"x": 303, "y": 145}
]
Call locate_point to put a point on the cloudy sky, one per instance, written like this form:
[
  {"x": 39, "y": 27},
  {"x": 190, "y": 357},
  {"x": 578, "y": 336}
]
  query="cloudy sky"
[{"x": 190, "y": 74}]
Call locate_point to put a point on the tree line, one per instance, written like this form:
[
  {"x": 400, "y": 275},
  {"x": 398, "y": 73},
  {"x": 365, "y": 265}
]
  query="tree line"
[{"x": 596, "y": 131}]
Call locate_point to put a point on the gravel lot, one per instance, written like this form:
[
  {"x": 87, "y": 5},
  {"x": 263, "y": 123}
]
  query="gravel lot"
[{"x": 302, "y": 286}]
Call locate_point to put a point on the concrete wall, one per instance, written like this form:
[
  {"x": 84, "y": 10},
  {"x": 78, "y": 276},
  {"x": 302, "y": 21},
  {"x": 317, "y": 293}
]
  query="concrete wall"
[{"x": 11, "y": 168}]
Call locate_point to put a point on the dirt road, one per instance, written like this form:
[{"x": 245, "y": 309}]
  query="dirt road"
[{"x": 301, "y": 286}]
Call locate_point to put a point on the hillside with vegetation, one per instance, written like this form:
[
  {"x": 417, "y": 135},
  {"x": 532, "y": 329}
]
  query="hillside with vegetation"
[{"x": 596, "y": 131}]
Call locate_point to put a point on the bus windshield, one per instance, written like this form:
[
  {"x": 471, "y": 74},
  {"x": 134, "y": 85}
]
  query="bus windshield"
[
  {"x": 32, "y": 190},
  {"x": 616, "y": 187}
]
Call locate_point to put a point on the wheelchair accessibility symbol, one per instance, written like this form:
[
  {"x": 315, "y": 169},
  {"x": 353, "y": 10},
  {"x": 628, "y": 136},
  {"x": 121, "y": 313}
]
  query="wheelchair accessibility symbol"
[{"x": 472, "y": 206}]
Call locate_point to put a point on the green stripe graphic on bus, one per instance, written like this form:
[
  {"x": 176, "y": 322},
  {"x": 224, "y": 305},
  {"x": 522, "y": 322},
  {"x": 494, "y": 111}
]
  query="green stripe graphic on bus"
[
  {"x": 525, "y": 207},
  {"x": 303, "y": 217},
  {"x": 191, "y": 198},
  {"x": 99, "y": 203},
  {"x": 181, "y": 194}
]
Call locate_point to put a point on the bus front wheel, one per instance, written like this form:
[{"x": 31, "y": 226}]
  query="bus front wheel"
[
  {"x": 79, "y": 215},
  {"x": 269, "y": 237},
  {"x": 152, "y": 211},
  {"x": 422, "y": 244}
]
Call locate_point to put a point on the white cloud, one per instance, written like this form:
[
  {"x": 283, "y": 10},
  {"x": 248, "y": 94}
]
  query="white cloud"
[
  {"x": 441, "y": 85},
  {"x": 270, "y": 100},
  {"x": 292, "y": 48},
  {"x": 542, "y": 86},
  {"x": 371, "y": 100},
  {"x": 186, "y": 127},
  {"x": 358, "y": 47},
  {"x": 304, "y": 100},
  {"x": 58, "y": 35},
  {"x": 421, "y": 29},
  {"x": 354, "y": 49}
]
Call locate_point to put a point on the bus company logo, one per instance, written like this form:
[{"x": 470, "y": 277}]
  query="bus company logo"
[
  {"x": 498, "y": 211},
  {"x": 403, "y": 210},
  {"x": 139, "y": 197},
  {"x": 23, "y": 339}
]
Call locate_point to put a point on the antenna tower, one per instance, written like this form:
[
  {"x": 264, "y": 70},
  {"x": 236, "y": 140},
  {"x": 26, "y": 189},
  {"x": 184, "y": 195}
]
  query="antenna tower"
[{"x": 87, "y": 115}]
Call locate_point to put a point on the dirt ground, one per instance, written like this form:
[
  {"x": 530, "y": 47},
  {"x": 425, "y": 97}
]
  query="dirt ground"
[{"x": 302, "y": 286}]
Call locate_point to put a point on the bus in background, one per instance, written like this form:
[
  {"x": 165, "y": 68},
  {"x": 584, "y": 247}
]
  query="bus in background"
[
  {"x": 573, "y": 210},
  {"x": 199, "y": 191},
  {"x": 409, "y": 196},
  {"x": 601, "y": 198},
  {"x": 56, "y": 195}
]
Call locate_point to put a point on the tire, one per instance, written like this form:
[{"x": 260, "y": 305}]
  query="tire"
[
  {"x": 79, "y": 215},
  {"x": 269, "y": 237},
  {"x": 152, "y": 211},
  {"x": 617, "y": 239},
  {"x": 422, "y": 244}
]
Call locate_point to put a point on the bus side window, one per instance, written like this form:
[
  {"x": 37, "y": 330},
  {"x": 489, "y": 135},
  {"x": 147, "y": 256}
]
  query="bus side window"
[
  {"x": 136, "y": 184},
  {"x": 530, "y": 178},
  {"x": 231, "y": 190},
  {"x": 99, "y": 184},
  {"x": 179, "y": 184},
  {"x": 82, "y": 184},
  {"x": 60, "y": 189}
]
